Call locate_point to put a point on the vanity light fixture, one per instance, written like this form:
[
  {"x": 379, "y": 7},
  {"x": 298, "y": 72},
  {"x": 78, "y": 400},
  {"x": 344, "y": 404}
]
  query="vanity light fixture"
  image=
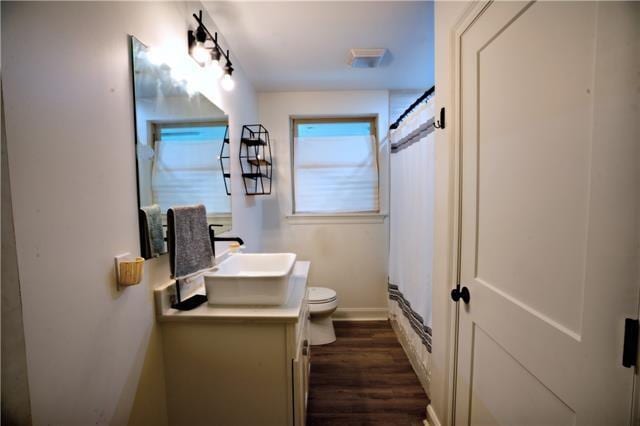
[
  {"x": 206, "y": 51},
  {"x": 197, "y": 47},
  {"x": 215, "y": 66},
  {"x": 227, "y": 82}
]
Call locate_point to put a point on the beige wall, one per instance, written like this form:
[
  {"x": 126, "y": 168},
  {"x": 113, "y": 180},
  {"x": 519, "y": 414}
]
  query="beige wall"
[
  {"x": 447, "y": 13},
  {"x": 349, "y": 257},
  {"x": 93, "y": 355}
]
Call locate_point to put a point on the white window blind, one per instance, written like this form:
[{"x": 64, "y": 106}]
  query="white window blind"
[
  {"x": 186, "y": 169},
  {"x": 335, "y": 167}
]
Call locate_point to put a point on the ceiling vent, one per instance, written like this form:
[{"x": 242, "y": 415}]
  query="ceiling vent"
[{"x": 366, "y": 58}]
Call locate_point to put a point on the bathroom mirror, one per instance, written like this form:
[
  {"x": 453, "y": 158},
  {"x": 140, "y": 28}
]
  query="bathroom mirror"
[{"x": 179, "y": 138}]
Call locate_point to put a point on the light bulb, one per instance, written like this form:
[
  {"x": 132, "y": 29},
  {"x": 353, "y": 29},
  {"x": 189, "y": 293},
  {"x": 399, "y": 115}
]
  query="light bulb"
[
  {"x": 227, "y": 83},
  {"x": 200, "y": 53},
  {"x": 216, "y": 68}
]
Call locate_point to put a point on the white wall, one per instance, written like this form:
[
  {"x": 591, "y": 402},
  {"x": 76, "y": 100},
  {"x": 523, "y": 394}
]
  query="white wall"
[
  {"x": 94, "y": 355},
  {"x": 348, "y": 257},
  {"x": 447, "y": 14}
]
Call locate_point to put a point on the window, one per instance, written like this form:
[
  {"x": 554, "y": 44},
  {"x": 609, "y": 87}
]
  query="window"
[
  {"x": 186, "y": 166},
  {"x": 335, "y": 165}
]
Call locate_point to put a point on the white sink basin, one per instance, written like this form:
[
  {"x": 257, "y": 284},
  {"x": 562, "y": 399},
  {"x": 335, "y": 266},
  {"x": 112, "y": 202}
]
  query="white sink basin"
[{"x": 250, "y": 279}]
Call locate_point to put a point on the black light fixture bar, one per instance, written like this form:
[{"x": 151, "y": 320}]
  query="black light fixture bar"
[{"x": 213, "y": 38}]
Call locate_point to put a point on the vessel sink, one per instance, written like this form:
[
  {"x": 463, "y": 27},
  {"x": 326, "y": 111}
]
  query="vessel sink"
[{"x": 250, "y": 279}]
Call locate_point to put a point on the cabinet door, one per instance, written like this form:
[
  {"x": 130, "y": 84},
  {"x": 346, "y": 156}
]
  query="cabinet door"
[
  {"x": 306, "y": 359},
  {"x": 299, "y": 409},
  {"x": 301, "y": 368}
]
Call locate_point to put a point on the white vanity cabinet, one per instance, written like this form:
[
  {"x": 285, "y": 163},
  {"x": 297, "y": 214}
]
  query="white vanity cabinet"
[{"x": 238, "y": 365}]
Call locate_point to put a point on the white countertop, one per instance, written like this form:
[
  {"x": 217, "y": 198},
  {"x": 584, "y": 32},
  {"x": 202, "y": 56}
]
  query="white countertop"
[{"x": 288, "y": 312}]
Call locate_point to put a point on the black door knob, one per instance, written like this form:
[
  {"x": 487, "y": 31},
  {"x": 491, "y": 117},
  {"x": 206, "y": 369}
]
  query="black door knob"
[{"x": 461, "y": 293}]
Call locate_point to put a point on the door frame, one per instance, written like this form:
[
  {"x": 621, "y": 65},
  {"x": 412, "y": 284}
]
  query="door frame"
[{"x": 468, "y": 17}]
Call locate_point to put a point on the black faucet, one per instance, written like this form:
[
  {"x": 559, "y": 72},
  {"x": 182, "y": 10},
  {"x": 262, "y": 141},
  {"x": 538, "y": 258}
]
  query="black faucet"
[{"x": 213, "y": 238}]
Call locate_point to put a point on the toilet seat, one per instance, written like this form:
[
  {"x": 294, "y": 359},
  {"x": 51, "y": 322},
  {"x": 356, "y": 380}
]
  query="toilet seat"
[
  {"x": 321, "y": 295},
  {"x": 323, "y": 308}
]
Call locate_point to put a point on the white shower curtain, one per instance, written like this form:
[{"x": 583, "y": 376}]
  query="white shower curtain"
[{"x": 412, "y": 218}]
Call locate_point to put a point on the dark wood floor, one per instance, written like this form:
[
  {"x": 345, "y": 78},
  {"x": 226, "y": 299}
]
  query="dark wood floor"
[{"x": 364, "y": 378}]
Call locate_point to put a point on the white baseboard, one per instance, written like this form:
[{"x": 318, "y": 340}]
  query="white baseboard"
[
  {"x": 432, "y": 418},
  {"x": 361, "y": 314}
]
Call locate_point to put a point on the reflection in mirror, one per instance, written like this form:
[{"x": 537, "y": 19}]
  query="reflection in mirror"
[{"x": 179, "y": 137}]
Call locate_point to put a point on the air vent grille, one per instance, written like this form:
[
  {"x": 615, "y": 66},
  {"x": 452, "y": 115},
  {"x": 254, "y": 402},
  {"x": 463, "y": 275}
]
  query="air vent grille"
[{"x": 366, "y": 58}]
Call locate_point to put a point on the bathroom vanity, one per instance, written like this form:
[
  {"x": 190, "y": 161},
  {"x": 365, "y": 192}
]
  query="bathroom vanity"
[{"x": 237, "y": 365}]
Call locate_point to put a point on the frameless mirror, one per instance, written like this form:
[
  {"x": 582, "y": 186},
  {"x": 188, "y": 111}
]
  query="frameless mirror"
[{"x": 180, "y": 135}]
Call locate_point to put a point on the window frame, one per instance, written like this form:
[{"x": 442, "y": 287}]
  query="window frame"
[
  {"x": 157, "y": 125},
  {"x": 373, "y": 216}
]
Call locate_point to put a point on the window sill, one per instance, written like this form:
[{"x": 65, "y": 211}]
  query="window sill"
[{"x": 337, "y": 218}]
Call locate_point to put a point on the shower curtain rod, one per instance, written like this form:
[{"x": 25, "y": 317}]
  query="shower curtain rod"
[{"x": 417, "y": 102}]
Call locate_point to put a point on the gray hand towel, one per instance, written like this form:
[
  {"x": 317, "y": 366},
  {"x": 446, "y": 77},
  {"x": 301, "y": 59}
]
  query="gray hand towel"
[
  {"x": 154, "y": 236},
  {"x": 189, "y": 244}
]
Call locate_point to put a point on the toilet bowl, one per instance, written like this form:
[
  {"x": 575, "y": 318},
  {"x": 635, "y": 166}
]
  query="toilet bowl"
[{"x": 322, "y": 303}]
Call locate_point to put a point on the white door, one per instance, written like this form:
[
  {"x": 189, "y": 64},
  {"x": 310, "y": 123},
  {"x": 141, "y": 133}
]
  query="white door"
[{"x": 549, "y": 101}]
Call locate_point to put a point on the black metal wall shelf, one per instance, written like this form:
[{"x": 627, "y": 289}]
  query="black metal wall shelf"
[
  {"x": 258, "y": 162},
  {"x": 252, "y": 142},
  {"x": 225, "y": 161},
  {"x": 255, "y": 159}
]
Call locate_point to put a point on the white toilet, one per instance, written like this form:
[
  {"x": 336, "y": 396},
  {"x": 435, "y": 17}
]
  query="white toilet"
[{"x": 322, "y": 303}]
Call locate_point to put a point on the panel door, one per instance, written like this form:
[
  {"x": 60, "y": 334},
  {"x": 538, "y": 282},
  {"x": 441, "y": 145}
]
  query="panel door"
[{"x": 549, "y": 106}]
